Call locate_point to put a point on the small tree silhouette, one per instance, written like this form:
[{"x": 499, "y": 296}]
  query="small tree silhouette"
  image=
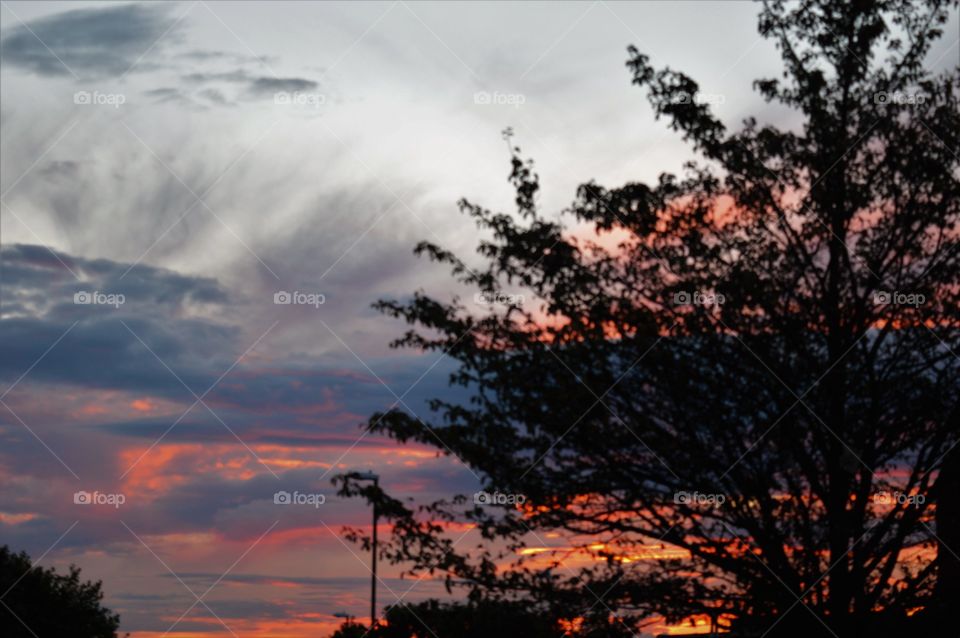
[
  {"x": 475, "y": 619},
  {"x": 39, "y": 603},
  {"x": 762, "y": 372}
]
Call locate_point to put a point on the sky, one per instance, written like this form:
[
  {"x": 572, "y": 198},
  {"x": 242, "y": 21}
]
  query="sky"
[{"x": 171, "y": 173}]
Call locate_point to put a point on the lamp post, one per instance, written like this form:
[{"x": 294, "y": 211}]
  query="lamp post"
[{"x": 375, "y": 479}]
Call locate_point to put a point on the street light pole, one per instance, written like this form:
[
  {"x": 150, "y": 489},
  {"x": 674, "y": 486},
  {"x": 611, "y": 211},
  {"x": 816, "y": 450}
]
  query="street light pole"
[
  {"x": 370, "y": 476},
  {"x": 373, "y": 561}
]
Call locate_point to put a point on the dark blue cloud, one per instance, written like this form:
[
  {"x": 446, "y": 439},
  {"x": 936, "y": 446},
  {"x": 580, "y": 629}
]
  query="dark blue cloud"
[
  {"x": 89, "y": 42},
  {"x": 163, "y": 338},
  {"x": 108, "y": 345}
]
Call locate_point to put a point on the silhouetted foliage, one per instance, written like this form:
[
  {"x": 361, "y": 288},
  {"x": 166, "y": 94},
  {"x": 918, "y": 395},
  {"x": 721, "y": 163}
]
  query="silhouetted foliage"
[
  {"x": 754, "y": 362},
  {"x": 352, "y": 629},
  {"x": 39, "y": 603},
  {"x": 480, "y": 619}
]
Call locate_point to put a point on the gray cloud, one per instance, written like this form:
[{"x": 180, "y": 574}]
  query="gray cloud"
[
  {"x": 206, "y": 55},
  {"x": 61, "y": 168},
  {"x": 168, "y": 94},
  {"x": 89, "y": 42},
  {"x": 255, "y": 86},
  {"x": 238, "y": 75},
  {"x": 215, "y": 96},
  {"x": 269, "y": 86}
]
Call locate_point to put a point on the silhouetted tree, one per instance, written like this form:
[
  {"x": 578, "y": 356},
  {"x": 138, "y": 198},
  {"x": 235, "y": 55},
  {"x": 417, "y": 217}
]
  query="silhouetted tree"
[
  {"x": 475, "y": 619},
  {"x": 757, "y": 365},
  {"x": 352, "y": 629},
  {"x": 39, "y": 603}
]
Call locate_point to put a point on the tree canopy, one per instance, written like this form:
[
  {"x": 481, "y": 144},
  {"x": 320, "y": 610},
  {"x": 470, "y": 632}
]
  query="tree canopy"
[{"x": 37, "y": 602}]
